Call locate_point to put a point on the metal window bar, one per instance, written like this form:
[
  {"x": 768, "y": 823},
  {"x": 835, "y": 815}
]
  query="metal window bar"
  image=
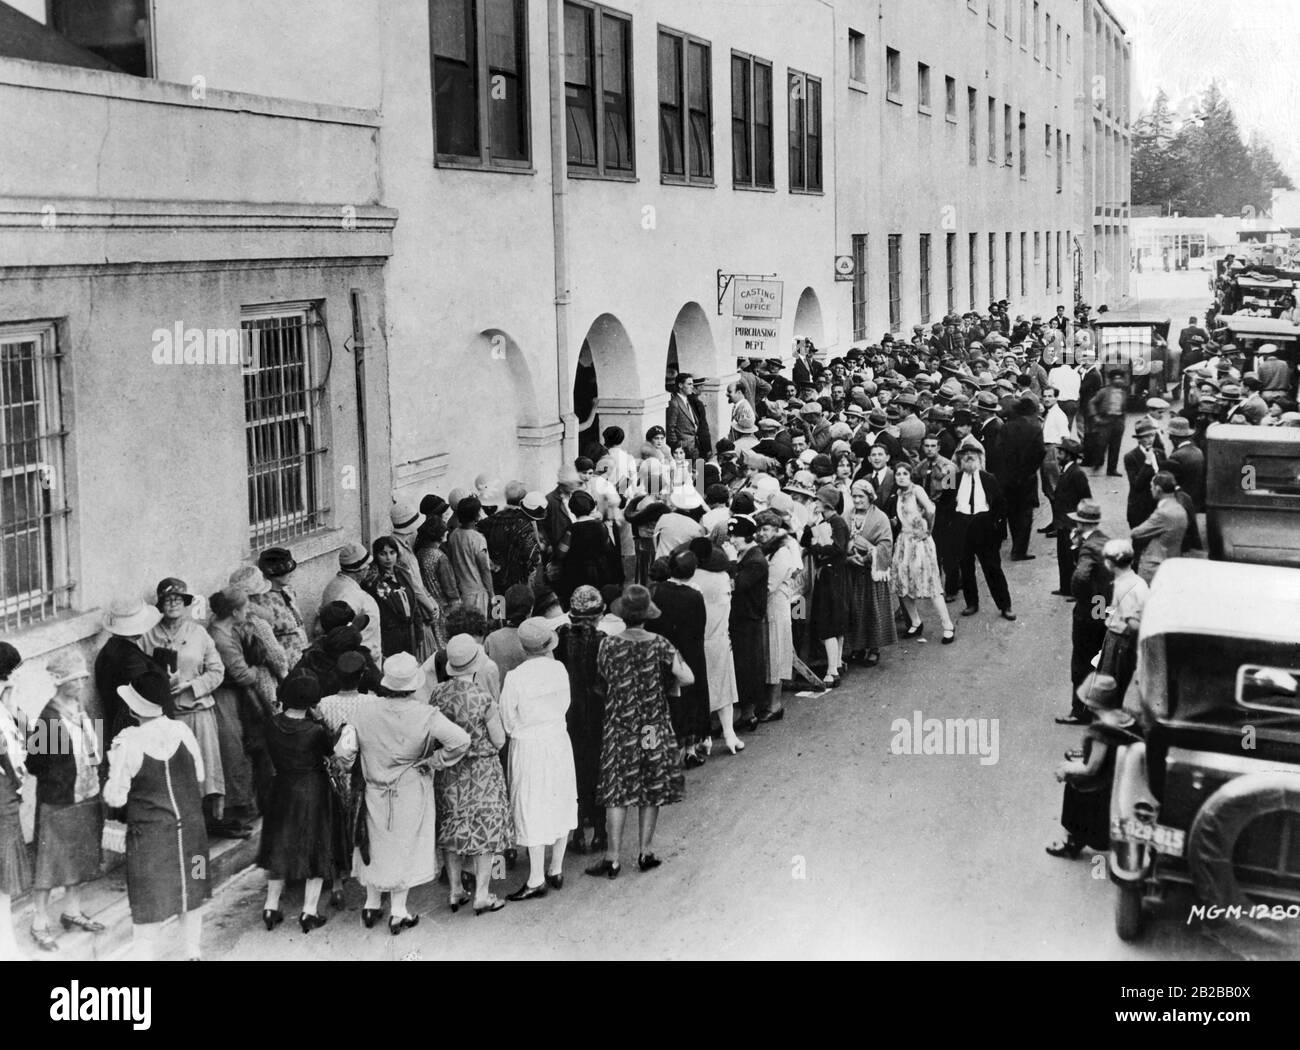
[
  {"x": 281, "y": 430},
  {"x": 34, "y": 574}
]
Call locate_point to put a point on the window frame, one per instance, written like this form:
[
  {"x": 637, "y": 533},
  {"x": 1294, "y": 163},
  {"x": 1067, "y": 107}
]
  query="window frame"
[
  {"x": 993, "y": 129},
  {"x": 51, "y": 19},
  {"x": 1007, "y": 261},
  {"x": 804, "y": 99},
  {"x": 950, "y": 269},
  {"x": 45, "y": 475},
  {"x": 993, "y": 267},
  {"x": 599, "y": 170},
  {"x": 1023, "y": 129},
  {"x": 485, "y": 161},
  {"x": 857, "y": 58},
  {"x": 893, "y": 75},
  {"x": 973, "y": 116},
  {"x": 686, "y": 40},
  {"x": 1024, "y": 264},
  {"x": 950, "y": 99},
  {"x": 1009, "y": 155},
  {"x": 861, "y": 286},
  {"x": 894, "y": 269},
  {"x": 315, "y": 455},
  {"x": 1047, "y": 40},
  {"x": 923, "y": 277},
  {"x": 751, "y": 123},
  {"x": 924, "y": 100},
  {"x": 1024, "y": 25},
  {"x": 1037, "y": 37}
]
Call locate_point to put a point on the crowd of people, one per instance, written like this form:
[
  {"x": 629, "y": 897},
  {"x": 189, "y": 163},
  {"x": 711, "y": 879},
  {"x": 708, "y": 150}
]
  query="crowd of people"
[{"x": 508, "y": 669}]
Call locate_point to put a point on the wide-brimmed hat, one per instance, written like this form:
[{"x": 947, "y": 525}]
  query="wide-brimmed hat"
[
  {"x": 405, "y": 518},
  {"x": 1070, "y": 446},
  {"x": 341, "y": 614},
  {"x": 1099, "y": 691},
  {"x": 172, "y": 587},
  {"x": 635, "y": 604},
  {"x": 829, "y": 496},
  {"x": 534, "y": 505},
  {"x": 537, "y": 636},
  {"x": 276, "y": 561},
  {"x": 1145, "y": 427},
  {"x": 67, "y": 666},
  {"x": 354, "y": 557},
  {"x": 128, "y": 617},
  {"x": 684, "y": 497},
  {"x": 1088, "y": 512},
  {"x": 248, "y": 580},
  {"x": 146, "y": 694},
  {"x": 1179, "y": 427},
  {"x": 463, "y": 655},
  {"x": 797, "y": 487},
  {"x": 878, "y": 419},
  {"x": 402, "y": 673},
  {"x": 586, "y": 601},
  {"x": 744, "y": 426},
  {"x": 987, "y": 401}
]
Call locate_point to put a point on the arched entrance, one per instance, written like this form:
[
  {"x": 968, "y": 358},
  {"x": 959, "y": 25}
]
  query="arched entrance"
[
  {"x": 690, "y": 346},
  {"x": 808, "y": 318},
  {"x": 605, "y": 373}
]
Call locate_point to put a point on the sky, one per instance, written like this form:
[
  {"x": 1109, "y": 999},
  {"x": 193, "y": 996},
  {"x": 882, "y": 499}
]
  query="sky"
[{"x": 1248, "y": 46}]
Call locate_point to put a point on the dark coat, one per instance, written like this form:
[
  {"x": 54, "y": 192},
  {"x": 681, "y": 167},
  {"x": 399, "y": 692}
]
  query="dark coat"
[
  {"x": 51, "y": 760},
  {"x": 1140, "y": 501},
  {"x": 1089, "y": 383},
  {"x": 749, "y": 598},
  {"x": 682, "y": 620},
  {"x": 1072, "y": 487},
  {"x": 1091, "y": 577},
  {"x": 989, "y": 434},
  {"x": 118, "y": 663},
  {"x": 1187, "y": 465},
  {"x": 683, "y": 425},
  {"x": 1020, "y": 443}
]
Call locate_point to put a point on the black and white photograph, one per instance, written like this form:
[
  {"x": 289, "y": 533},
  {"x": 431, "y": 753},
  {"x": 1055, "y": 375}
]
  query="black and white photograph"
[{"x": 691, "y": 480}]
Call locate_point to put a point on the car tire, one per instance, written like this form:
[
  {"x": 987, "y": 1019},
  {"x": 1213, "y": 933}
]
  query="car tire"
[
  {"x": 1220, "y": 822},
  {"x": 1128, "y": 911}
]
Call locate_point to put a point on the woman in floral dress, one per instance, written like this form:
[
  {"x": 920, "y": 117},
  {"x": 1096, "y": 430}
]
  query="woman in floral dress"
[
  {"x": 916, "y": 566},
  {"x": 640, "y": 764},
  {"x": 871, "y": 554},
  {"x": 473, "y": 805},
  {"x": 280, "y": 604}
]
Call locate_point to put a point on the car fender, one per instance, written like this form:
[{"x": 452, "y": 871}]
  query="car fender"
[
  {"x": 1129, "y": 861},
  {"x": 1220, "y": 822}
]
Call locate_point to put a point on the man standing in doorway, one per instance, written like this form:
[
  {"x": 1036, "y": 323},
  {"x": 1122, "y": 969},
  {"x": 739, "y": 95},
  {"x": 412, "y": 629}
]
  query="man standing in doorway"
[{"x": 682, "y": 421}]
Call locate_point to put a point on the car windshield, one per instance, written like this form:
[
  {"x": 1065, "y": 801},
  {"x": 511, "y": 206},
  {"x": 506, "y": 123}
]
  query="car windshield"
[{"x": 1202, "y": 675}]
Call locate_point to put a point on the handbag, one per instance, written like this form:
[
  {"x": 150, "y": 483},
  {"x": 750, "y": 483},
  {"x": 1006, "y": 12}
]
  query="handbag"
[
  {"x": 360, "y": 824},
  {"x": 113, "y": 839}
]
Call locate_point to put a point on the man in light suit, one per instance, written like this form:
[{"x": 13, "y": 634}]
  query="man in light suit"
[
  {"x": 681, "y": 420},
  {"x": 1161, "y": 535}
]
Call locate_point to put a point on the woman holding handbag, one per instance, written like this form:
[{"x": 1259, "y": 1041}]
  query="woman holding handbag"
[
  {"x": 916, "y": 564},
  {"x": 870, "y": 557}
]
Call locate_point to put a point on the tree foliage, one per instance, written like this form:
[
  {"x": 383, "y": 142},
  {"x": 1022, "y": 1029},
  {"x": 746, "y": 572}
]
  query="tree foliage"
[{"x": 1204, "y": 167}]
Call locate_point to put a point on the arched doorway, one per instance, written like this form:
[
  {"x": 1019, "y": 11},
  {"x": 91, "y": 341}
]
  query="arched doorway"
[
  {"x": 808, "y": 318},
  {"x": 606, "y": 371},
  {"x": 690, "y": 346}
]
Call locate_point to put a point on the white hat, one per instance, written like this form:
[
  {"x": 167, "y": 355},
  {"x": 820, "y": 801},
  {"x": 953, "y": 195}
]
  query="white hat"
[
  {"x": 137, "y": 703},
  {"x": 129, "y": 617},
  {"x": 684, "y": 497},
  {"x": 1267, "y": 348},
  {"x": 1157, "y": 403},
  {"x": 405, "y": 518},
  {"x": 67, "y": 666},
  {"x": 402, "y": 673}
]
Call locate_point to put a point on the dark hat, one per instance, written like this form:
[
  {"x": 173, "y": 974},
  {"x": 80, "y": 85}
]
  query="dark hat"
[
  {"x": 1088, "y": 512},
  {"x": 468, "y": 510},
  {"x": 1180, "y": 427},
  {"x": 276, "y": 561},
  {"x": 1071, "y": 446},
  {"x": 340, "y": 640},
  {"x": 1144, "y": 427},
  {"x": 635, "y": 604},
  {"x": 893, "y": 414},
  {"x": 350, "y": 663},
  {"x": 822, "y": 465},
  {"x": 341, "y": 614},
  {"x": 940, "y": 414},
  {"x": 433, "y": 506},
  {"x": 877, "y": 418},
  {"x": 962, "y": 416},
  {"x": 10, "y": 659},
  {"x": 519, "y": 601},
  {"x": 300, "y": 690},
  {"x": 170, "y": 587},
  {"x": 742, "y": 525}
]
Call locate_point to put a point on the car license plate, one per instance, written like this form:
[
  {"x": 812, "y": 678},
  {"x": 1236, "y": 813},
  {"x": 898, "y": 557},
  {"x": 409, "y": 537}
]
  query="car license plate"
[{"x": 1163, "y": 839}]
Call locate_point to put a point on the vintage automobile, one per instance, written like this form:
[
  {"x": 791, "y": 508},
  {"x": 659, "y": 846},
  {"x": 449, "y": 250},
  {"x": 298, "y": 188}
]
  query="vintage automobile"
[
  {"x": 1138, "y": 348},
  {"x": 1211, "y": 798},
  {"x": 1252, "y": 494}
]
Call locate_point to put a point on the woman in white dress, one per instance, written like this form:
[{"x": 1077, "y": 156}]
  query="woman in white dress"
[
  {"x": 713, "y": 581},
  {"x": 916, "y": 565},
  {"x": 784, "y": 584},
  {"x": 543, "y": 783}
]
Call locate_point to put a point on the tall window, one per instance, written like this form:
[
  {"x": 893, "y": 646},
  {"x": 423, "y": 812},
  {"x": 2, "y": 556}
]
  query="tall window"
[
  {"x": 685, "y": 109},
  {"x": 859, "y": 286},
  {"x": 598, "y": 90},
  {"x": 923, "y": 87},
  {"x": 1006, "y": 18},
  {"x": 993, "y": 266},
  {"x": 280, "y": 424},
  {"x": 1038, "y": 248},
  {"x": 1037, "y": 38},
  {"x": 1060, "y": 158},
  {"x": 1007, "y": 151},
  {"x": 1059, "y": 58},
  {"x": 1058, "y": 260},
  {"x": 480, "y": 81},
  {"x": 1047, "y": 42},
  {"x": 751, "y": 121},
  {"x": 1024, "y": 152},
  {"x": 895, "y": 282},
  {"x": 893, "y": 75},
  {"x": 1024, "y": 287},
  {"x": 1024, "y": 23},
  {"x": 925, "y": 277},
  {"x": 1006, "y": 262},
  {"x": 993, "y": 129},
  {"x": 34, "y": 574},
  {"x": 1047, "y": 254},
  {"x": 950, "y": 98},
  {"x": 805, "y": 132},
  {"x": 972, "y": 264},
  {"x": 950, "y": 269},
  {"x": 857, "y": 57},
  {"x": 972, "y": 117},
  {"x": 1047, "y": 139}
]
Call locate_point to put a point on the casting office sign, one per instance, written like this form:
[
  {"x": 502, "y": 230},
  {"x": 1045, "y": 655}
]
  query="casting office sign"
[{"x": 757, "y": 299}]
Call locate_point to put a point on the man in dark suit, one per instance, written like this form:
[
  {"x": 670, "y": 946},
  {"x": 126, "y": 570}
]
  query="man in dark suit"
[
  {"x": 681, "y": 420},
  {"x": 1192, "y": 329},
  {"x": 557, "y": 520},
  {"x": 1090, "y": 585},
  {"x": 748, "y": 619},
  {"x": 1090, "y": 381},
  {"x": 1071, "y": 489},
  {"x": 988, "y": 430},
  {"x": 878, "y": 472},
  {"x": 1021, "y": 443},
  {"x": 981, "y": 526},
  {"x": 1142, "y": 464},
  {"x": 1187, "y": 462}
]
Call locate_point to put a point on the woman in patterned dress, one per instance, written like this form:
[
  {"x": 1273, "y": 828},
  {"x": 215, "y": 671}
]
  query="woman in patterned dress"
[
  {"x": 472, "y": 802},
  {"x": 640, "y": 764},
  {"x": 916, "y": 565},
  {"x": 280, "y": 604},
  {"x": 871, "y": 553}
]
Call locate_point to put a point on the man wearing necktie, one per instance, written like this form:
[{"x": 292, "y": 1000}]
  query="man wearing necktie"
[
  {"x": 1142, "y": 464},
  {"x": 981, "y": 526}
]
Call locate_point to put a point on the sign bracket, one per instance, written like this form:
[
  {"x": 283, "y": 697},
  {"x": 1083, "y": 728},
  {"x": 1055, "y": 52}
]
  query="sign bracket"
[{"x": 725, "y": 279}]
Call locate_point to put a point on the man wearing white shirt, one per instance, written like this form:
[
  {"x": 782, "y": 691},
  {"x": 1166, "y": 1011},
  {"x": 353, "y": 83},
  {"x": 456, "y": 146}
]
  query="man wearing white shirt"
[
  {"x": 1055, "y": 427},
  {"x": 1066, "y": 381},
  {"x": 981, "y": 527}
]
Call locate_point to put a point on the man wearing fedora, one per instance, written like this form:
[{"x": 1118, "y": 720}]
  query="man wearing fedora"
[
  {"x": 121, "y": 660},
  {"x": 406, "y": 521},
  {"x": 1142, "y": 464},
  {"x": 1072, "y": 488},
  {"x": 1090, "y": 585},
  {"x": 345, "y": 586},
  {"x": 1187, "y": 462}
]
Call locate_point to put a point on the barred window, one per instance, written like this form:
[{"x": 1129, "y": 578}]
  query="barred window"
[
  {"x": 925, "y": 277},
  {"x": 34, "y": 571},
  {"x": 950, "y": 269},
  {"x": 860, "y": 286},
  {"x": 972, "y": 264},
  {"x": 282, "y": 432},
  {"x": 895, "y": 282}
]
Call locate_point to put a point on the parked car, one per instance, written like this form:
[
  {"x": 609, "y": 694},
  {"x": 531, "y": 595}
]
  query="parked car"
[
  {"x": 1138, "y": 348},
  {"x": 1252, "y": 494},
  {"x": 1211, "y": 797}
]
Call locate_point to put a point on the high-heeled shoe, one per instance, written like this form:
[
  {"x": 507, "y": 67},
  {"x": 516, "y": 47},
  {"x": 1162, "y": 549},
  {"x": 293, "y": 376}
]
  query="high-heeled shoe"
[
  {"x": 949, "y": 636},
  {"x": 608, "y": 868},
  {"x": 691, "y": 760},
  {"x": 272, "y": 917},
  {"x": 527, "y": 893},
  {"x": 556, "y": 882},
  {"x": 647, "y": 861},
  {"x": 310, "y": 922},
  {"x": 456, "y": 900},
  {"x": 914, "y": 629},
  {"x": 734, "y": 746},
  {"x": 396, "y": 926},
  {"x": 370, "y": 916},
  {"x": 494, "y": 904},
  {"x": 707, "y": 745}
]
